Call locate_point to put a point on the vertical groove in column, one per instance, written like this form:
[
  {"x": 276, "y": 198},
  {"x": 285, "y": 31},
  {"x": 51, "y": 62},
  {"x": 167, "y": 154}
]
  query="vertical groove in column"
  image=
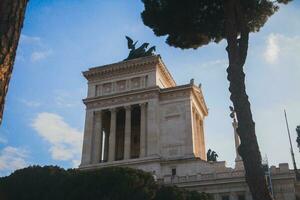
[
  {"x": 194, "y": 131},
  {"x": 127, "y": 142},
  {"x": 143, "y": 131},
  {"x": 97, "y": 138},
  {"x": 112, "y": 136},
  {"x": 203, "y": 140}
]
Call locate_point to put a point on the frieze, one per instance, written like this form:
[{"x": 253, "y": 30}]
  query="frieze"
[
  {"x": 115, "y": 74},
  {"x": 132, "y": 66},
  {"x": 174, "y": 95},
  {"x": 99, "y": 103}
]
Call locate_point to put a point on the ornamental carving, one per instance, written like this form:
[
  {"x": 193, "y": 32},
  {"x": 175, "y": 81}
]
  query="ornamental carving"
[
  {"x": 121, "y": 85},
  {"x": 121, "y": 100}
]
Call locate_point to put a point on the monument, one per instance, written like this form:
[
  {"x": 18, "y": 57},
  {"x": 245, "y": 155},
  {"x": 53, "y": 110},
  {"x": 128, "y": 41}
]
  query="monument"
[{"x": 137, "y": 116}]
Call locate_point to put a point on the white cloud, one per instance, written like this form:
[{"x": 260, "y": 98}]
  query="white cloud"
[
  {"x": 279, "y": 47},
  {"x": 30, "y": 103},
  {"x": 64, "y": 101},
  {"x": 39, "y": 55},
  {"x": 25, "y": 39},
  {"x": 67, "y": 99},
  {"x": 272, "y": 51},
  {"x": 38, "y": 50},
  {"x": 65, "y": 141},
  {"x": 12, "y": 158},
  {"x": 212, "y": 64},
  {"x": 3, "y": 140}
]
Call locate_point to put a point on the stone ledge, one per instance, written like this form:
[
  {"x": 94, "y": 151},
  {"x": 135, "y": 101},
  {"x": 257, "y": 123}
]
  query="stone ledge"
[{"x": 121, "y": 163}]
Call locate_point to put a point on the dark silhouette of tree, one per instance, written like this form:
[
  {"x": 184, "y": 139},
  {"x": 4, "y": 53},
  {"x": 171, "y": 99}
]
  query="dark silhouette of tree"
[
  {"x": 211, "y": 155},
  {"x": 175, "y": 193},
  {"x": 112, "y": 183},
  {"x": 194, "y": 23},
  {"x": 12, "y": 14},
  {"x": 298, "y": 136}
]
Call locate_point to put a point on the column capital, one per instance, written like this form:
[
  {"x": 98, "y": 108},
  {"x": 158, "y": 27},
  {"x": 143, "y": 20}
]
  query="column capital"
[
  {"x": 143, "y": 104},
  {"x": 112, "y": 109},
  {"x": 127, "y": 108},
  {"x": 98, "y": 112}
]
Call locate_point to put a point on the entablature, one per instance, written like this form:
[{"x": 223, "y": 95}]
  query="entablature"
[{"x": 125, "y": 98}]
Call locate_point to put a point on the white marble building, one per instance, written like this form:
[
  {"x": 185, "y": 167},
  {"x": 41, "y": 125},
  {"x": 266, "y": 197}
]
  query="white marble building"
[{"x": 136, "y": 116}]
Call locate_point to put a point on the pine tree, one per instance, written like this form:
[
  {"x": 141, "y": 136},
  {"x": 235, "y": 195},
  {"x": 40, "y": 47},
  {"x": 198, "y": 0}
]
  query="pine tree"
[
  {"x": 194, "y": 23},
  {"x": 12, "y": 14}
]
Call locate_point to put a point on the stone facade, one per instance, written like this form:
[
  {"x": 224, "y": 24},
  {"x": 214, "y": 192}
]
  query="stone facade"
[{"x": 136, "y": 116}]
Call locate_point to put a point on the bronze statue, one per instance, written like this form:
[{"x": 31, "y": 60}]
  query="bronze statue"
[
  {"x": 211, "y": 155},
  {"x": 139, "y": 52}
]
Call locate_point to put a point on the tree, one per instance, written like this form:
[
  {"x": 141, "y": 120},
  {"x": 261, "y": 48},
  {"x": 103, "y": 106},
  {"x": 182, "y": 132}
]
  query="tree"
[
  {"x": 298, "y": 136},
  {"x": 12, "y": 14},
  {"x": 175, "y": 193},
  {"x": 111, "y": 183},
  {"x": 50, "y": 182},
  {"x": 194, "y": 23}
]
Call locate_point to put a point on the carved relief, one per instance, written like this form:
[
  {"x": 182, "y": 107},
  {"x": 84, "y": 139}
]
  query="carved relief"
[
  {"x": 120, "y": 69},
  {"x": 121, "y": 85},
  {"x": 98, "y": 90},
  {"x": 107, "y": 88},
  {"x": 121, "y": 100},
  {"x": 135, "y": 83}
]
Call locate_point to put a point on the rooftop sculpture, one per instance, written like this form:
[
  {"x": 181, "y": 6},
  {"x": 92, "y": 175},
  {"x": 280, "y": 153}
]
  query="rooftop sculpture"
[{"x": 138, "y": 52}]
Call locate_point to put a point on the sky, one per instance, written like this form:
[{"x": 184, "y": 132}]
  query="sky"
[{"x": 44, "y": 114}]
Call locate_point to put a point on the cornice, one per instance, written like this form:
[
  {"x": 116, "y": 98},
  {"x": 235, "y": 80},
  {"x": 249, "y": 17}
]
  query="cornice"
[
  {"x": 131, "y": 66},
  {"x": 166, "y": 72},
  {"x": 122, "y": 67},
  {"x": 122, "y": 98},
  {"x": 200, "y": 99},
  {"x": 124, "y": 163},
  {"x": 192, "y": 89}
]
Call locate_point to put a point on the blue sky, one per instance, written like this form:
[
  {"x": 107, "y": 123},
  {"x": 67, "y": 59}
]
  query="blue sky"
[{"x": 44, "y": 115}]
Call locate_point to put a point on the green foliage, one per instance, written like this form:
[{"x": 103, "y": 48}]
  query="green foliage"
[
  {"x": 175, "y": 193},
  {"x": 193, "y": 23},
  {"x": 49, "y": 183},
  {"x": 43, "y": 183}
]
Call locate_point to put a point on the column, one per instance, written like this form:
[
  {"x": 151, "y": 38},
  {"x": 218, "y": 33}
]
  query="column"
[
  {"x": 87, "y": 138},
  {"x": 203, "y": 148},
  {"x": 97, "y": 138},
  {"x": 127, "y": 140},
  {"x": 194, "y": 124},
  {"x": 143, "y": 131},
  {"x": 188, "y": 143},
  {"x": 236, "y": 140},
  {"x": 112, "y": 136}
]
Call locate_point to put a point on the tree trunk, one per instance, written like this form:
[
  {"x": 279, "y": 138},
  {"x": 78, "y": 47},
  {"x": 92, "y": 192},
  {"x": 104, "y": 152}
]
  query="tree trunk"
[
  {"x": 237, "y": 52},
  {"x": 11, "y": 21}
]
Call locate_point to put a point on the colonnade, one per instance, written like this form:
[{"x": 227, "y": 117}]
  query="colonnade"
[{"x": 119, "y": 133}]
